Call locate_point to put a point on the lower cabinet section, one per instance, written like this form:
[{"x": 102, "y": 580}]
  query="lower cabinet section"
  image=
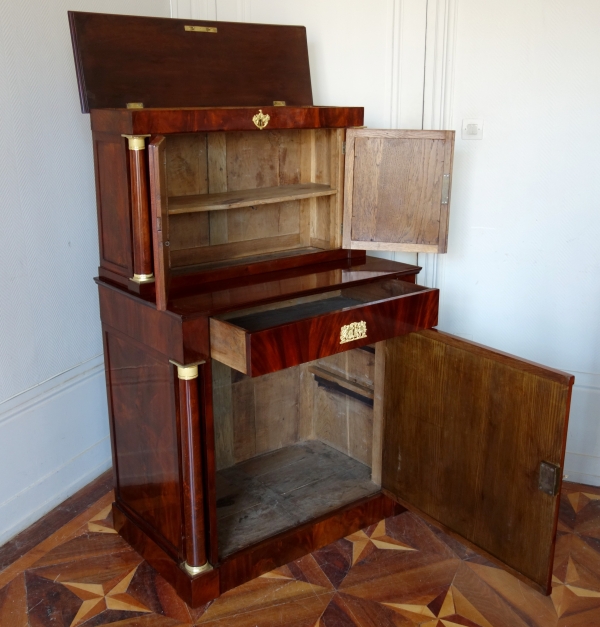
[
  {"x": 291, "y": 446},
  {"x": 222, "y": 476}
]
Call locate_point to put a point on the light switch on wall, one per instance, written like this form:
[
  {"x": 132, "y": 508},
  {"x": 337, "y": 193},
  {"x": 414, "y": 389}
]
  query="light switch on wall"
[{"x": 472, "y": 129}]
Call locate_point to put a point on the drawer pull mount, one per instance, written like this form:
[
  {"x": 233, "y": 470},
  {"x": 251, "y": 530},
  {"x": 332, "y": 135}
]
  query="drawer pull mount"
[{"x": 353, "y": 331}]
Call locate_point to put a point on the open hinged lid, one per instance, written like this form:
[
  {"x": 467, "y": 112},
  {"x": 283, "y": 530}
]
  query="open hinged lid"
[{"x": 163, "y": 62}]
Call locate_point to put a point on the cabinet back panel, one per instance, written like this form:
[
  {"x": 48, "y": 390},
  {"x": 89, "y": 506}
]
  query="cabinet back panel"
[
  {"x": 254, "y": 415},
  {"x": 260, "y": 222},
  {"x": 252, "y": 160},
  {"x": 189, "y": 230},
  {"x": 261, "y": 414},
  {"x": 212, "y": 163},
  {"x": 187, "y": 165}
]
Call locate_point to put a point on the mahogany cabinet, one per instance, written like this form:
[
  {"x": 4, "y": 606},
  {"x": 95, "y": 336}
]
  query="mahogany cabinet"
[{"x": 271, "y": 388}]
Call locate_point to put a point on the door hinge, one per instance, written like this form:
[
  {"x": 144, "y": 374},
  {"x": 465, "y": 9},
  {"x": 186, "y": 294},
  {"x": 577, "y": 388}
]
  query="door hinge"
[
  {"x": 343, "y": 148},
  {"x": 549, "y": 478},
  {"x": 445, "y": 189}
]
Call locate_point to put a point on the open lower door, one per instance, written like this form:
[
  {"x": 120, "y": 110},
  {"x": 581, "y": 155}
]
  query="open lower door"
[
  {"x": 475, "y": 441},
  {"x": 397, "y": 190}
]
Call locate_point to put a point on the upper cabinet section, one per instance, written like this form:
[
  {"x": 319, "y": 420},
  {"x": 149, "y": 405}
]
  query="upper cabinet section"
[
  {"x": 162, "y": 62},
  {"x": 397, "y": 190}
]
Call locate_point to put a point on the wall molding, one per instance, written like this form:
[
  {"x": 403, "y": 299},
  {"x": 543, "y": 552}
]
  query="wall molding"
[
  {"x": 438, "y": 99},
  {"x": 212, "y": 10},
  {"x": 581, "y": 468},
  {"x": 53, "y": 441},
  {"x": 393, "y": 60},
  {"x": 28, "y": 399}
]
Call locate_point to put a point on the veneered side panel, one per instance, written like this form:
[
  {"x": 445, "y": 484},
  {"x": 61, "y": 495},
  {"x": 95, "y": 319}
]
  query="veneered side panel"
[
  {"x": 112, "y": 195},
  {"x": 145, "y": 437}
]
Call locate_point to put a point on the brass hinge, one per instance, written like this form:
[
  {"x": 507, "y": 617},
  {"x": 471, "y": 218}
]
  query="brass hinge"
[
  {"x": 135, "y": 105},
  {"x": 279, "y": 103},
  {"x": 549, "y": 478},
  {"x": 343, "y": 148},
  {"x": 445, "y": 189},
  {"x": 200, "y": 29}
]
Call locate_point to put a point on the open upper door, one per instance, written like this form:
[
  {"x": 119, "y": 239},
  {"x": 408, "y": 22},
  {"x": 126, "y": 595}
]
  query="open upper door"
[
  {"x": 475, "y": 440},
  {"x": 397, "y": 190},
  {"x": 160, "y": 218}
]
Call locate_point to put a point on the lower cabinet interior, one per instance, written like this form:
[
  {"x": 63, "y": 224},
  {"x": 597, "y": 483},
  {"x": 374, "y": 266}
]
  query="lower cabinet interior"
[{"x": 292, "y": 445}]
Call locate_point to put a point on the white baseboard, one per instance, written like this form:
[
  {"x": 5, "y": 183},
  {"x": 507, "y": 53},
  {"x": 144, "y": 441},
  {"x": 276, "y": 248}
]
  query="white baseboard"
[
  {"x": 582, "y": 469},
  {"x": 54, "y": 439},
  {"x": 582, "y": 461}
]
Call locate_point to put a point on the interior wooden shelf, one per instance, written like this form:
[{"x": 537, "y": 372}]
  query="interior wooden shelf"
[
  {"x": 268, "y": 494},
  {"x": 247, "y": 198}
]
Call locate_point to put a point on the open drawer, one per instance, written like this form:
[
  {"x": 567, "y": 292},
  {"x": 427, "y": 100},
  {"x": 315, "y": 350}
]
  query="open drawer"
[{"x": 268, "y": 338}]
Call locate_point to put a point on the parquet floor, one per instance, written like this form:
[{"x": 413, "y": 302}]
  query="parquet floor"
[{"x": 400, "y": 572}]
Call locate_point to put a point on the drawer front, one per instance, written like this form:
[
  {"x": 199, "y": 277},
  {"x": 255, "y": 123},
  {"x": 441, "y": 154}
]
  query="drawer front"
[{"x": 268, "y": 350}]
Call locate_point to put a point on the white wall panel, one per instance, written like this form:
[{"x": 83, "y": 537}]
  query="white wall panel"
[
  {"x": 49, "y": 319},
  {"x": 521, "y": 273}
]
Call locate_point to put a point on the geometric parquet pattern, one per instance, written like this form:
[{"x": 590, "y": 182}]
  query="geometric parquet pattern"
[{"x": 400, "y": 572}]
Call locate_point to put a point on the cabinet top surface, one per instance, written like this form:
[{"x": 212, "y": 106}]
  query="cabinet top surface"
[
  {"x": 164, "y": 62},
  {"x": 293, "y": 283}
]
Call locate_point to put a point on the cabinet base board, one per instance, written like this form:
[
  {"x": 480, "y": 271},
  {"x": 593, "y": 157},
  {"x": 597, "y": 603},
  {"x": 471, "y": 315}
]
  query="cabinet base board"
[{"x": 259, "y": 558}]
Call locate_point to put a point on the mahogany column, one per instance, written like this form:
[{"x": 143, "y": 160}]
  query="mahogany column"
[
  {"x": 140, "y": 210},
  {"x": 193, "y": 492}
]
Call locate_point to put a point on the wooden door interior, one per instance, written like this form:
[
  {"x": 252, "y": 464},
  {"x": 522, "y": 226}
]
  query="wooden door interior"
[
  {"x": 397, "y": 190},
  {"x": 470, "y": 434}
]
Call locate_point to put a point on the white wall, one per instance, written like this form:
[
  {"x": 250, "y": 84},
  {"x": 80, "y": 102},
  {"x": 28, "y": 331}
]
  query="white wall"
[
  {"x": 53, "y": 420},
  {"x": 522, "y": 272},
  {"x": 523, "y": 252}
]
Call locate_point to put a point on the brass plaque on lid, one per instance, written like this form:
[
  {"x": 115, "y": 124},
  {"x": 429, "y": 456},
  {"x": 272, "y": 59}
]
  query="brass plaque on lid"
[{"x": 200, "y": 29}]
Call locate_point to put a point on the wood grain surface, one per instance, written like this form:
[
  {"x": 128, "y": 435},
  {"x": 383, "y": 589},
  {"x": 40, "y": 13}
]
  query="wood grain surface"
[
  {"x": 184, "y": 341},
  {"x": 247, "y": 198},
  {"x": 466, "y": 429},
  {"x": 156, "y": 61},
  {"x": 195, "y": 120},
  {"x": 160, "y": 219},
  {"x": 301, "y": 281},
  {"x": 145, "y": 440},
  {"x": 393, "y": 190},
  {"x": 193, "y": 447},
  {"x": 113, "y": 203},
  {"x": 140, "y": 212},
  {"x": 388, "y": 310}
]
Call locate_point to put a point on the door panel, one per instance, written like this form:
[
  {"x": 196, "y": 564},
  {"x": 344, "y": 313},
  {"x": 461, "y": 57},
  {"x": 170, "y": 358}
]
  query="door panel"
[
  {"x": 157, "y": 158},
  {"x": 397, "y": 189},
  {"x": 466, "y": 429}
]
